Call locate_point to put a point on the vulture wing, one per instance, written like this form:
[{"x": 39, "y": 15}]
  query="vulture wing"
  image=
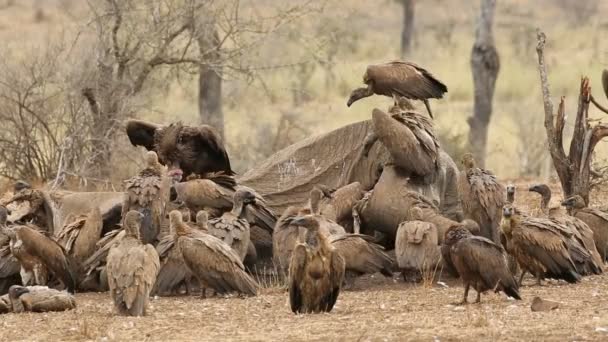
[
  {"x": 233, "y": 231},
  {"x": 405, "y": 79},
  {"x": 216, "y": 265},
  {"x": 297, "y": 273},
  {"x": 487, "y": 190},
  {"x": 362, "y": 256},
  {"x": 336, "y": 277}
]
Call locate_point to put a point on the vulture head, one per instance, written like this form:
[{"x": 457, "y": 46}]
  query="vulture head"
[
  {"x": 468, "y": 161},
  {"x": 176, "y": 222},
  {"x": 576, "y": 202},
  {"x": 201, "y": 218},
  {"x": 455, "y": 234},
  {"x": 132, "y": 223},
  {"x": 357, "y": 94},
  {"x": 510, "y": 193},
  {"x": 544, "y": 191},
  {"x": 244, "y": 196},
  {"x": 16, "y": 291},
  {"x": 309, "y": 222},
  {"x": 152, "y": 161},
  {"x": 325, "y": 190},
  {"x": 20, "y": 185}
]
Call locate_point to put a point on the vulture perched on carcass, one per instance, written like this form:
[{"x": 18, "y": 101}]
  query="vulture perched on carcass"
[
  {"x": 132, "y": 269},
  {"x": 482, "y": 197},
  {"x": 538, "y": 247},
  {"x": 399, "y": 79},
  {"x": 232, "y": 227},
  {"x": 39, "y": 299},
  {"x": 416, "y": 246},
  {"x": 29, "y": 206},
  {"x": 576, "y": 233},
  {"x": 39, "y": 255},
  {"x": 173, "y": 270},
  {"x": 316, "y": 270},
  {"x": 596, "y": 219},
  {"x": 480, "y": 263},
  {"x": 80, "y": 235},
  {"x": 211, "y": 261},
  {"x": 147, "y": 193}
]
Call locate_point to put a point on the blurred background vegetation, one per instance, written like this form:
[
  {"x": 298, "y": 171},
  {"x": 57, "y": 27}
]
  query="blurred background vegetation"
[{"x": 299, "y": 61}]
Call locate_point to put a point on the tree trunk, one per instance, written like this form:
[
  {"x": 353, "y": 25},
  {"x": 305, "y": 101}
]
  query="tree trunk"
[
  {"x": 485, "y": 65},
  {"x": 407, "y": 31},
  {"x": 210, "y": 81}
]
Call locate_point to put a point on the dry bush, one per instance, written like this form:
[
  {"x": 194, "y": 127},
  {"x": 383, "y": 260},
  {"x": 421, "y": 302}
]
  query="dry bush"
[{"x": 578, "y": 11}]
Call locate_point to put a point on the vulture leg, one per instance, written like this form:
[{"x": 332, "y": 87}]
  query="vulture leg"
[
  {"x": 538, "y": 283},
  {"x": 428, "y": 107},
  {"x": 521, "y": 277},
  {"x": 466, "y": 294},
  {"x": 478, "y": 299}
]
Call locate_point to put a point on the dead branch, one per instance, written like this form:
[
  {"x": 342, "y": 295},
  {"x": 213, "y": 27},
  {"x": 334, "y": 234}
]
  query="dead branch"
[{"x": 598, "y": 105}]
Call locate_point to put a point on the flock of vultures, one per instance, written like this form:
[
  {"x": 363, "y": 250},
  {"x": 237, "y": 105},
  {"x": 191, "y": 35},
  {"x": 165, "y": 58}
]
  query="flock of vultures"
[{"x": 186, "y": 226}]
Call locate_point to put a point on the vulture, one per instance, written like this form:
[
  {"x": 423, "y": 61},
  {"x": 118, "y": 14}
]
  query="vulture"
[
  {"x": 480, "y": 263},
  {"x": 173, "y": 270},
  {"x": 328, "y": 227},
  {"x": 9, "y": 265},
  {"x": 576, "y": 233},
  {"x": 29, "y": 205},
  {"x": 39, "y": 299},
  {"x": 510, "y": 194},
  {"x": 232, "y": 227},
  {"x": 538, "y": 247},
  {"x": 39, "y": 255},
  {"x": 316, "y": 270},
  {"x": 132, "y": 269},
  {"x": 399, "y": 79},
  {"x": 416, "y": 246},
  {"x": 338, "y": 205},
  {"x": 285, "y": 237},
  {"x": 80, "y": 235},
  {"x": 360, "y": 255},
  {"x": 481, "y": 197},
  {"x": 596, "y": 219},
  {"x": 147, "y": 193},
  {"x": 210, "y": 260}
]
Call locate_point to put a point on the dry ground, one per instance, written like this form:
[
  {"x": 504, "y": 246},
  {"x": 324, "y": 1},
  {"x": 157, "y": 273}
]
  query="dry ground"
[{"x": 383, "y": 311}]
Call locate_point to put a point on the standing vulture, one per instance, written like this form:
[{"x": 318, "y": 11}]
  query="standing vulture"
[
  {"x": 480, "y": 263},
  {"x": 316, "y": 271},
  {"x": 39, "y": 299},
  {"x": 147, "y": 194},
  {"x": 538, "y": 247},
  {"x": 132, "y": 269},
  {"x": 211, "y": 261},
  {"x": 482, "y": 197},
  {"x": 38, "y": 255},
  {"x": 596, "y": 219},
  {"x": 232, "y": 227},
  {"x": 399, "y": 78}
]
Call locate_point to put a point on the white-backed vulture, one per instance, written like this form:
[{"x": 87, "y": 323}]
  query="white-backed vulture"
[
  {"x": 482, "y": 197},
  {"x": 362, "y": 256},
  {"x": 147, "y": 192},
  {"x": 399, "y": 78},
  {"x": 39, "y": 299},
  {"x": 417, "y": 246},
  {"x": 80, "y": 235},
  {"x": 596, "y": 219},
  {"x": 316, "y": 270},
  {"x": 211, "y": 261},
  {"x": 39, "y": 255},
  {"x": 480, "y": 263},
  {"x": 232, "y": 227},
  {"x": 132, "y": 269},
  {"x": 538, "y": 247}
]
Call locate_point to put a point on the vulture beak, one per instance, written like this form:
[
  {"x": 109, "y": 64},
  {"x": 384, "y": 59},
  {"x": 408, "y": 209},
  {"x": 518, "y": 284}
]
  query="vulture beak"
[
  {"x": 298, "y": 221},
  {"x": 16, "y": 291},
  {"x": 533, "y": 188}
]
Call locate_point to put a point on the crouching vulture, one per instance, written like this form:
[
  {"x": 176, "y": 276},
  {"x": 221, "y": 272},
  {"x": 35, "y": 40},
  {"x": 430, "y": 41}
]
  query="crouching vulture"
[
  {"x": 416, "y": 246},
  {"x": 538, "y": 247},
  {"x": 399, "y": 78},
  {"x": 596, "y": 219},
  {"x": 132, "y": 269},
  {"x": 210, "y": 260},
  {"x": 38, "y": 255},
  {"x": 480, "y": 263},
  {"x": 316, "y": 270},
  {"x": 482, "y": 197},
  {"x": 39, "y": 299}
]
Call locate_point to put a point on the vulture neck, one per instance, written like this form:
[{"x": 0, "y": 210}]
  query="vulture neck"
[
  {"x": 237, "y": 208},
  {"x": 17, "y": 305},
  {"x": 181, "y": 229},
  {"x": 511, "y": 197}
]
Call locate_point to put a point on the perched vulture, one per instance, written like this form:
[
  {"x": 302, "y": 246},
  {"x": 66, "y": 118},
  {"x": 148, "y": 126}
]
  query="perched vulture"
[
  {"x": 173, "y": 270},
  {"x": 95, "y": 275},
  {"x": 510, "y": 194},
  {"x": 39, "y": 299},
  {"x": 338, "y": 205},
  {"x": 316, "y": 270},
  {"x": 185, "y": 150},
  {"x": 327, "y": 227},
  {"x": 147, "y": 193},
  {"x": 38, "y": 255},
  {"x": 538, "y": 247},
  {"x": 79, "y": 236},
  {"x": 232, "y": 227},
  {"x": 596, "y": 219},
  {"x": 399, "y": 78},
  {"x": 132, "y": 269},
  {"x": 482, "y": 197},
  {"x": 416, "y": 246},
  {"x": 480, "y": 263},
  {"x": 211, "y": 261},
  {"x": 575, "y": 232}
]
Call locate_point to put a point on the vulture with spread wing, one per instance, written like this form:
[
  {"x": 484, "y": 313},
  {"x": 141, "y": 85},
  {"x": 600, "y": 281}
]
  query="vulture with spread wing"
[
  {"x": 39, "y": 299},
  {"x": 316, "y": 270},
  {"x": 132, "y": 269},
  {"x": 482, "y": 197},
  {"x": 211, "y": 261},
  {"x": 480, "y": 263},
  {"x": 399, "y": 79}
]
